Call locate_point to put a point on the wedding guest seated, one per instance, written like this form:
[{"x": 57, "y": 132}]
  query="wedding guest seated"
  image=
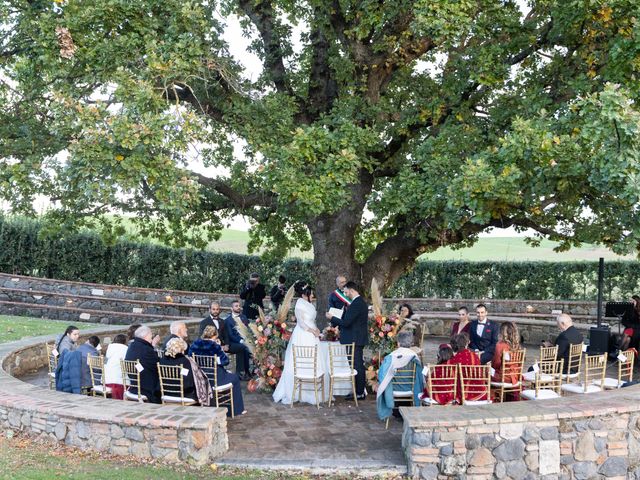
[
  {"x": 90, "y": 347},
  {"x": 177, "y": 329},
  {"x": 509, "y": 342},
  {"x": 67, "y": 341},
  {"x": 142, "y": 351},
  {"x": 131, "y": 331},
  {"x": 405, "y": 311},
  {"x": 235, "y": 323},
  {"x": 483, "y": 334},
  {"x": 463, "y": 323},
  {"x": 208, "y": 345},
  {"x": 569, "y": 335},
  {"x": 461, "y": 352},
  {"x": 445, "y": 352},
  {"x": 632, "y": 326},
  {"x": 116, "y": 351},
  {"x": 401, "y": 358},
  {"x": 69, "y": 372},
  {"x": 194, "y": 383}
]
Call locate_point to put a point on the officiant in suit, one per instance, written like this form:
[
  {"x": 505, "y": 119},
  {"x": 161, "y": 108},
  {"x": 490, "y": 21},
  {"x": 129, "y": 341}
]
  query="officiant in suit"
[
  {"x": 354, "y": 329},
  {"x": 483, "y": 335}
]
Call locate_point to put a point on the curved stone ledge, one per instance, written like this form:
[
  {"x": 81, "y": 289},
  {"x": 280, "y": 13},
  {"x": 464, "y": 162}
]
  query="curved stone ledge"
[
  {"x": 173, "y": 433},
  {"x": 591, "y": 436}
]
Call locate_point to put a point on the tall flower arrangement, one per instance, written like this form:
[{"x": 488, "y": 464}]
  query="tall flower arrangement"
[{"x": 271, "y": 336}]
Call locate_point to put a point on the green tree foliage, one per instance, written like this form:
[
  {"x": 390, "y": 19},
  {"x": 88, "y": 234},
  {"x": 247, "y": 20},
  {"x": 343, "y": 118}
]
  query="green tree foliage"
[{"x": 442, "y": 119}]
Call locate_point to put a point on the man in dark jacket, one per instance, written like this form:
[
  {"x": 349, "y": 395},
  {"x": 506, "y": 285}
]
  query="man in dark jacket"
[
  {"x": 252, "y": 293},
  {"x": 569, "y": 335},
  {"x": 237, "y": 342},
  {"x": 354, "y": 329},
  {"x": 69, "y": 372},
  {"x": 338, "y": 299},
  {"x": 483, "y": 335},
  {"x": 277, "y": 293},
  {"x": 90, "y": 347},
  {"x": 177, "y": 329},
  {"x": 214, "y": 319},
  {"x": 142, "y": 351}
]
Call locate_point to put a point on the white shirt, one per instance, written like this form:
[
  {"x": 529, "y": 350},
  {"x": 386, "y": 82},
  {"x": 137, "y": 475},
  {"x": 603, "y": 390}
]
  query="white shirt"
[{"x": 480, "y": 328}]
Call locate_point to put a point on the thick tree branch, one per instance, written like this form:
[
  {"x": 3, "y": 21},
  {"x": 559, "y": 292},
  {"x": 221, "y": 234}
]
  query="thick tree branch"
[
  {"x": 238, "y": 200},
  {"x": 264, "y": 18}
]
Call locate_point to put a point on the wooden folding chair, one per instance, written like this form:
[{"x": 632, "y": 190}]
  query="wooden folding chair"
[
  {"x": 341, "y": 368},
  {"x": 626, "y": 361},
  {"x": 223, "y": 394},
  {"x": 548, "y": 353},
  {"x": 475, "y": 383},
  {"x": 305, "y": 372},
  {"x": 442, "y": 385},
  {"x": 592, "y": 376},
  {"x": 131, "y": 378},
  {"x": 574, "y": 363},
  {"x": 404, "y": 385},
  {"x": 172, "y": 385},
  {"x": 52, "y": 363},
  {"x": 512, "y": 365},
  {"x": 547, "y": 381},
  {"x": 96, "y": 368}
]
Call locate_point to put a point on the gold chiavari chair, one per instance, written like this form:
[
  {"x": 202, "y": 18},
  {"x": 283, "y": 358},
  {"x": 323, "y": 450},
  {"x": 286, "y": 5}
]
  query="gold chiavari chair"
[
  {"x": 574, "y": 363},
  {"x": 442, "y": 385},
  {"x": 52, "y": 363},
  {"x": 592, "y": 376},
  {"x": 341, "y": 368},
  {"x": 131, "y": 378},
  {"x": 512, "y": 365},
  {"x": 172, "y": 385},
  {"x": 547, "y": 382},
  {"x": 404, "y": 385},
  {"x": 475, "y": 383},
  {"x": 305, "y": 372},
  {"x": 223, "y": 394},
  {"x": 96, "y": 368},
  {"x": 626, "y": 361}
]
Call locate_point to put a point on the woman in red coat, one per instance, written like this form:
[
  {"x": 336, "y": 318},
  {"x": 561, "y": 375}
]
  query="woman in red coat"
[
  {"x": 464, "y": 356},
  {"x": 444, "y": 356}
]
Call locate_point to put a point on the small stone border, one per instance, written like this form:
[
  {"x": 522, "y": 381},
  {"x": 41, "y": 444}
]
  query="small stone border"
[
  {"x": 172, "y": 433},
  {"x": 577, "y": 437}
]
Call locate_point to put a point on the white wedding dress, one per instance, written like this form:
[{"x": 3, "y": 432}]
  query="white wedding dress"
[{"x": 305, "y": 320}]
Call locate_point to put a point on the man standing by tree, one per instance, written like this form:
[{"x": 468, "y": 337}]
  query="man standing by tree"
[
  {"x": 354, "y": 329},
  {"x": 277, "y": 293},
  {"x": 338, "y": 299},
  {"x": 252, "y": 293}
]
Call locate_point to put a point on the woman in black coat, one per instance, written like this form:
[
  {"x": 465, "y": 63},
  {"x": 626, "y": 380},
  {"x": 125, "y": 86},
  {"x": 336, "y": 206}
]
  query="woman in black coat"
[
  {"x": 174, "y": 356},
  {"x": 208, "y": 345}
]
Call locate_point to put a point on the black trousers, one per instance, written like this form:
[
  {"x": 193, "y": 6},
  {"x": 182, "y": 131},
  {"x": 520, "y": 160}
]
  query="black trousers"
[
  {"x": 242, "y": 357},
  {"x": 358, "y": 365}
]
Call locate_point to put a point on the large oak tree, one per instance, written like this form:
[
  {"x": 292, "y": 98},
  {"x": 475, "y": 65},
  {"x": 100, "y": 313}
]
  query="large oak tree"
[{"x": 376, "y": 131}]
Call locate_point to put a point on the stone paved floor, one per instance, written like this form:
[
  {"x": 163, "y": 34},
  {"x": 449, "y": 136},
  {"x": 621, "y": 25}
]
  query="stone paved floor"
[{"x": 343, "y": 436}]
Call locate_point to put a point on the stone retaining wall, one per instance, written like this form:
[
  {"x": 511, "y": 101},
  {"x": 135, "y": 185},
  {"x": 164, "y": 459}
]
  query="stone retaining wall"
[
  {"x": 595, "y": 436},
  {"x": 174, "y": 433}
]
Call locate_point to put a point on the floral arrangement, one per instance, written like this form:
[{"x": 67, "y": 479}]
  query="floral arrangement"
[
  {"x": 330, "y": 334},
  {"x": 270, "y": 337}
]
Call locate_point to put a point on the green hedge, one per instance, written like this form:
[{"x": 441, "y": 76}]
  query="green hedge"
[{"x": 85, "y": 257}]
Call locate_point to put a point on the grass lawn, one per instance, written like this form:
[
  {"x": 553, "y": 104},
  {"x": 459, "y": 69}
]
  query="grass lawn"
[
  {"x": 25, "y": 458},
  {"x": 15, "y": 328}
]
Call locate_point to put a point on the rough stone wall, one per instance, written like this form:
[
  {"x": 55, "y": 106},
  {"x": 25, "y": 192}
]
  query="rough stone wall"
[
  {"x": 592, "y": 437},
  {"x": 178, "y": 434}
]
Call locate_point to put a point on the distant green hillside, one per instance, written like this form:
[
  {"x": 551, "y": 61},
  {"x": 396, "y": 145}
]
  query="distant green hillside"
[{"x": 486, "y": 249}]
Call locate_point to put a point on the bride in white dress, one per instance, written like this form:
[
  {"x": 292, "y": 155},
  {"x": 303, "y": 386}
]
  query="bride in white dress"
[{"x": 305, "y": 334}]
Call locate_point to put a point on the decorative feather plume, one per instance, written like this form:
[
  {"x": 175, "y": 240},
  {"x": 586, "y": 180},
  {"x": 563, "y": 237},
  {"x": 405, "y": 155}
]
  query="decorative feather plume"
[
  {"x": 376, "y": 298},
  {"x": 283, "y": 311},
  {"x": 249, "y": 339}
]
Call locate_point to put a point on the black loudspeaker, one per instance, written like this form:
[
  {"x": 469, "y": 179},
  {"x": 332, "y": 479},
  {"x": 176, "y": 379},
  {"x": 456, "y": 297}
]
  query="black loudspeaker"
[{"x": 598, "y": 340}]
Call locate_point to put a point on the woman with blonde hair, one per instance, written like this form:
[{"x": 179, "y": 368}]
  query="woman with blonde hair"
[{"x": 509, "y": 342}]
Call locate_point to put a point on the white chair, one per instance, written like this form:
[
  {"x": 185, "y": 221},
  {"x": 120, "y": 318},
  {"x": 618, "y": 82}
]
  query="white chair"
[
  {"x": 574, "y": 363},
  {"x": 223, "y": 394},
  {"x": 341, "y": 368},
  {"x": 592, "y": 379},
  {"x": 131, "y": 378},
  {"x": 547, "y": 381},
  {"x": 626, "y": 361},
  {"x": 546, "y": 354},
  {"x": 305, "y": 372},
  {"x": 172, "y": 385},
  {"x": 96, "y": 368}
]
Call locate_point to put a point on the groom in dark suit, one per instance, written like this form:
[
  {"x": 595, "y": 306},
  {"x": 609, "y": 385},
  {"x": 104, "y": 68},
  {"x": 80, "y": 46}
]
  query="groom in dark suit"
[
  {"x": 483, "y": 335},
  {"x": 354, "y": 329}
]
